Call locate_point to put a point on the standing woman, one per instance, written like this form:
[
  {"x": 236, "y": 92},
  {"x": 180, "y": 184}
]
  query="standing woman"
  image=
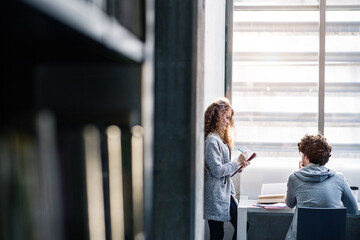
[{"x": 220, "y": 204}]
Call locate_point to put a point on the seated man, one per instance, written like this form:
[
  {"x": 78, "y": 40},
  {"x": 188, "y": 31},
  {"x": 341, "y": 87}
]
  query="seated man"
[{"x": 314, "y": 185}]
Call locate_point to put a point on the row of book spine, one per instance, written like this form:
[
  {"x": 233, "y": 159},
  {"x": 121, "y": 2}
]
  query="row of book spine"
[{"x": 70, "y": 182}]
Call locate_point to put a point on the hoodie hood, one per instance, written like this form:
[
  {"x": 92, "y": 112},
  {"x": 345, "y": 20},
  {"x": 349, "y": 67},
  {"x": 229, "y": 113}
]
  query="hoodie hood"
[{"x": 314, "y": 173}]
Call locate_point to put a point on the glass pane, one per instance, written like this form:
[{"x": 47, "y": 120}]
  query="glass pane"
[
  {"x": 275, "y": 2},
  {"x": 342, "y": 83},
  {"x": 275, "y": 84},
  {"x": 342, "y": 2},
  {"x": 275, "y": 75},
  {"x": 275, "y": 89}
]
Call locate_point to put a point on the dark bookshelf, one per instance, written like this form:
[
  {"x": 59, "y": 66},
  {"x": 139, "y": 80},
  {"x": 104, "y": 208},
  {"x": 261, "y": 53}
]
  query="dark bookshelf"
[{"x": 65, "y": 65}]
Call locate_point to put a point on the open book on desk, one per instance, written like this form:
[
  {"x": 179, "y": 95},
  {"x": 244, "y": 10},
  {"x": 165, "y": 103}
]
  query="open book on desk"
[{"x": 272, "y": 193}]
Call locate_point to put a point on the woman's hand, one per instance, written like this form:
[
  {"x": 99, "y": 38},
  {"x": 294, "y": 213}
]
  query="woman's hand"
[{"x": 242, "y": 160}]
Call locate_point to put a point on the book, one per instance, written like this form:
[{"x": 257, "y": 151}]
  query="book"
[
  {"x": 272, "y": 193},
  {"x": 252, "y": 156},
  {"x": 271, "y": 198}
]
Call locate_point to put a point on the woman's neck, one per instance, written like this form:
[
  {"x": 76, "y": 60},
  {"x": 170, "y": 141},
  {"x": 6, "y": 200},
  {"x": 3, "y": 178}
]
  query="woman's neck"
[{"x": 220, "y": 133}]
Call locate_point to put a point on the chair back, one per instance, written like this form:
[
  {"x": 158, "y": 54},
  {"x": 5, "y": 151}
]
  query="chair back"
[{"x": 321, "y": 223}]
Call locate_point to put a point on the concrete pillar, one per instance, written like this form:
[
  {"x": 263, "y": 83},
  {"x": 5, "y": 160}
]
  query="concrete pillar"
[{"x": 178, "y": 137}]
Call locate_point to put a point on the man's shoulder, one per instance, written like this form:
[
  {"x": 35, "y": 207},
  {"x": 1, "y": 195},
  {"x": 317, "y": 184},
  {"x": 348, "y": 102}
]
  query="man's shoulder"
[
  {"x": 293, "y": 176},
  {"x": 339, "y": 175}
]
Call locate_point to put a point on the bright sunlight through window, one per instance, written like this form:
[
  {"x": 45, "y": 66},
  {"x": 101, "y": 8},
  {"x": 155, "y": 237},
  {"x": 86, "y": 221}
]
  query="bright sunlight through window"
[{"x": 277, "y": 74}]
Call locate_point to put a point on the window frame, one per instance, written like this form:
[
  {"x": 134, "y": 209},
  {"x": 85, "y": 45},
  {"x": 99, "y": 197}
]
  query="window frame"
[{"x": 322, "y": 7}]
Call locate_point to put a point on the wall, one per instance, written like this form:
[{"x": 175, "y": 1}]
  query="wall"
[
  {"x": 214, "y": 63},
  {"x": 214, "y": 66}
]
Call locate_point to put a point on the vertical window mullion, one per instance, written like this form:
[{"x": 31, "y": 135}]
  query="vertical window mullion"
[
  {"x": 229, "y": 48},
  {"x": 322, "y": 33}
]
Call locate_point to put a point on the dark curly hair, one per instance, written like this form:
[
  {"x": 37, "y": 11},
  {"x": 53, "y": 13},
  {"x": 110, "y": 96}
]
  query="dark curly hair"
[
  {"x": 212, "y": 117},
  {"x": 315, "y": 148}
]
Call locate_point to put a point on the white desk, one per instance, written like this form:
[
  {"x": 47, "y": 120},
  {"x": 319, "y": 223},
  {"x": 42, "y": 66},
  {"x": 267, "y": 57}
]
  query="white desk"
[{"x": 246, "y": 206}]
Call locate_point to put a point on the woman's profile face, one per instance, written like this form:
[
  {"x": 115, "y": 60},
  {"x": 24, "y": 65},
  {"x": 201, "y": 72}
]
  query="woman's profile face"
[{"x": 225, "y": 119}]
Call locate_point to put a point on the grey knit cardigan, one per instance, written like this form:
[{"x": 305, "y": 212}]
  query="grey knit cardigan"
[{"x": 218, "y": 186}]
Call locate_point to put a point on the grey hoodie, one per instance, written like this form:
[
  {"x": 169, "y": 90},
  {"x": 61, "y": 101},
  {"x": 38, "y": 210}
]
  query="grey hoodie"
[
  {"x": 318, "y": 186},
  {"x": 314, "y": 173}
]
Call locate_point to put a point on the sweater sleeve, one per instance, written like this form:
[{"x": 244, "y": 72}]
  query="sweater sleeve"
[
  {"x": 290, "y": 199},
  {"x": 215, "y": 163},
  {"x": 348, "y": 198}
]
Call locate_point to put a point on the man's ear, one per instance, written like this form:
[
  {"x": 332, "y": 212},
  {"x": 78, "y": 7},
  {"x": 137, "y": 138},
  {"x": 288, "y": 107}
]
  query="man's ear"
[{"x": 306, "y": 160}]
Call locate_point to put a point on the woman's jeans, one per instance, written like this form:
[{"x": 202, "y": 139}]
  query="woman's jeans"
[{"x": 217, "y": 228}]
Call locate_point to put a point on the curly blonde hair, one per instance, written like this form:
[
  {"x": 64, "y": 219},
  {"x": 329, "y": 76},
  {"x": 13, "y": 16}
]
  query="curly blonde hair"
[{"x": 212, "y": 118}]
